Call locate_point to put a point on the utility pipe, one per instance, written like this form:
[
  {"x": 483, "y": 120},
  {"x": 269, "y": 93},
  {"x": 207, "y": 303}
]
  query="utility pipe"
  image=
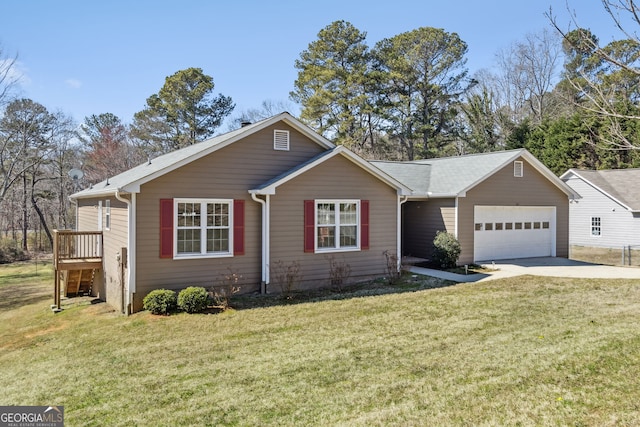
[{"x": 131, "y": 248}]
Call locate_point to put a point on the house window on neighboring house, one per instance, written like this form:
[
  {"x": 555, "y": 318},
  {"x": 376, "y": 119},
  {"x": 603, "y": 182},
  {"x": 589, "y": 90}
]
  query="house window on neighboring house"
[
  {"x": 281, "y": 140},
  {"x": 518, "y": 167},
  {"x": 107, "y": 214},
  {"x": 596, "y": 226},
  {"x": 203, "y": 227}
]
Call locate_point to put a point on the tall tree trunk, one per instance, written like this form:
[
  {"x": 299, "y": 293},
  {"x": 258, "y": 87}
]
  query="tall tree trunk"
[
  {"x": 43, "y": 221},
  {"x": 25, "y": 214}
]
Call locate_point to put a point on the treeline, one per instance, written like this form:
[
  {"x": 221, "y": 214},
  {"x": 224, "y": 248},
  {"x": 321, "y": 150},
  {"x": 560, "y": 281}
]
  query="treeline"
[{"x": 568, "y": 100}]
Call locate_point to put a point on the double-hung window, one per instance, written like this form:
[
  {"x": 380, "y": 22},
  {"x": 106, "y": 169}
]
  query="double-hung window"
[
  {"x": 596, "y": 226},
  {"x": 203, "y": 227},
  {"x": 337, "y": 223}
]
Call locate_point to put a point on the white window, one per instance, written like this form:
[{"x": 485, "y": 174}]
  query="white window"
[
  {"x": 337, "y": 225},
  {"x": 107, "y": 214},
  {"x": 518, "y": 169},
  {"x": 203, "y": 227},
  {"x": 100, "y": 215},
  {"x": 596, "y": 226},
  {"x": 281, "y": 140}
]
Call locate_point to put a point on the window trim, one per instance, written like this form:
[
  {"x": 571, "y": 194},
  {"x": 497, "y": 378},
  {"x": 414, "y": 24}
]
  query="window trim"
[
  {"x": 107, "y": 215},
  {"x": 203, "y": 229},
  {"x": 596, "y": 224},
  {"x": 358, "y": 225}
]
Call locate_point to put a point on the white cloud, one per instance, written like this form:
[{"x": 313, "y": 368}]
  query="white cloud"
[
  {"x": 73, "y": 83},
  {"x": 13, "y": 71}
]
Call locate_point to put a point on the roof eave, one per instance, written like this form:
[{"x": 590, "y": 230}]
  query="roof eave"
[{"x": 606, "y": 193}]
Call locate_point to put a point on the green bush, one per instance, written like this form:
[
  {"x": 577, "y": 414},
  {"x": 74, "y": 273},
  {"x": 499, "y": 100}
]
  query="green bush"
[
  {"x": 193, "y": 299},
  {"x": 446, "y": 249},
  {"x": 160, "y": 301}
]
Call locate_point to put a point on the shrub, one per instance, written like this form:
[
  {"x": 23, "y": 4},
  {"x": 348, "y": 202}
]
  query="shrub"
[
  {"x": 446, "y": 249},
  {"x": 394, "y": 272},
  {"x": 229, "y": 285},
  {"x": 160, "y": 301},
  {"x": 339, "y": 272},
  {"x": 11, "y": 252},
  {"x": 193, "y": 299},
  {"x": 286, "y": 277}
]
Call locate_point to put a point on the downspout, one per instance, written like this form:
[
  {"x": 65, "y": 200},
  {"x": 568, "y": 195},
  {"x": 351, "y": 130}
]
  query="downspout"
[
  {"x": 131, "y": 251},
  {"x": 401, "y": 201},
  {"x": 265, "y": 241}
]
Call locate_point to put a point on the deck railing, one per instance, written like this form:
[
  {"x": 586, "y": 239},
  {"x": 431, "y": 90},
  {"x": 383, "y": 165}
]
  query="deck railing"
[
  {"x": 74, "y": 250},
  {"x": 76, "y": 245}
]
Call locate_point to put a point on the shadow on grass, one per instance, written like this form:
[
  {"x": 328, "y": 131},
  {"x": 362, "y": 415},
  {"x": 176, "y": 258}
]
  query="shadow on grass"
[
  {"x": 17, "y": 295},
  {"x": 408, "y": 283}
]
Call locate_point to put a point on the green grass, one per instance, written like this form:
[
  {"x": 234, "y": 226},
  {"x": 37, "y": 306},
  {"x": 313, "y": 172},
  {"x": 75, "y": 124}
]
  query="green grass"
[{"x": 521, "y": 351}]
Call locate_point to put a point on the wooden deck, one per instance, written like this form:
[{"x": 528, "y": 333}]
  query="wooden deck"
[{"x": 77, "y": 255}]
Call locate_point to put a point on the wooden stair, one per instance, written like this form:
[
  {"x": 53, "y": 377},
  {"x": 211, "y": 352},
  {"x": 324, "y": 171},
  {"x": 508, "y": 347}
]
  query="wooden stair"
[{"x": 77, "y": 282}]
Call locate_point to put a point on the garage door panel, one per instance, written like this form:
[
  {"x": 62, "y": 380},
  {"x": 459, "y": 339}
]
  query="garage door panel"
[{"x": 503, "y": 232}]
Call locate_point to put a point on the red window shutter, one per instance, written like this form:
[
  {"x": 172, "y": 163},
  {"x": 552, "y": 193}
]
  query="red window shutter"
[
  {"x": 309, "y": 225},
  {"x": 238, "y": 227},
  {"x": 166, "y": 228},
  {"x": 364, "y": 224}
]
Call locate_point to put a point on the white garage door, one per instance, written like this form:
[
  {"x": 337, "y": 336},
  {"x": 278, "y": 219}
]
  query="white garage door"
[{"x": 505, "y": 232}]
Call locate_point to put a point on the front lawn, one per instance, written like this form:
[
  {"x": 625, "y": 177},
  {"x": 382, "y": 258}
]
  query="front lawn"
[{"x": 519, "y": 351}]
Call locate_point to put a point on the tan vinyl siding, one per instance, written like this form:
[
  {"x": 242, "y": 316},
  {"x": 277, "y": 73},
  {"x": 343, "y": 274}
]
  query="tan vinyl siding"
[
  {"x": 228, "y": 174},
  {"x": 109, "y": 287},
  {"x": 422, "y": 220},
  {"x": 87, "y": 215},
  {"x": 503, "y": 189},
  {"x": 337, "y": 178}
]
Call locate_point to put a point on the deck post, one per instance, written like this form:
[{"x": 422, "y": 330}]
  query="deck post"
[
  {"x": 56, "y": 276},
  {"x": 74, "y": 250}
]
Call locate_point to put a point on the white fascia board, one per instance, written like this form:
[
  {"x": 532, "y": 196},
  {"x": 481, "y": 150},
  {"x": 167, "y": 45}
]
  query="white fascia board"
[{"x": 606, "y": 194}]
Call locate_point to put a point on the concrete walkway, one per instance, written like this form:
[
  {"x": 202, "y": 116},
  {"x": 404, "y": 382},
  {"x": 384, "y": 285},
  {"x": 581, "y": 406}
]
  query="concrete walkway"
[{"x": 548, "y": 266}]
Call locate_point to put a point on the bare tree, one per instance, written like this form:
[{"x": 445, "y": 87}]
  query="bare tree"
[
  {"x": 606, "y": 79},
  {"x": 527, "y": 73},
  {"x": 9, "y": 76},
  {"x": 268, "y": 108}
]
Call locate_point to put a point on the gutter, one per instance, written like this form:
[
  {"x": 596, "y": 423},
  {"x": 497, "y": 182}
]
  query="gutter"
[
  {"x": 131, "y": 251},
  {"x": 265, "y": 240}
]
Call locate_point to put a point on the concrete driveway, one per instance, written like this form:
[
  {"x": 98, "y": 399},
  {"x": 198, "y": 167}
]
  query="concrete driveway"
[{"x": 548, "y": 266}]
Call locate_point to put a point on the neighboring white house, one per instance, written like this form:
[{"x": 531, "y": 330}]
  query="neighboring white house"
[{"x": 608, "y": 213}]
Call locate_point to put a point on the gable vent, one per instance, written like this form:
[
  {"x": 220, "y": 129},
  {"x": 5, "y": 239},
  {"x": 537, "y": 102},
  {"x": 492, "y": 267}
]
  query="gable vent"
[
  {"x": 281, "y": 140},
  {"x": 517, "y": 169}
]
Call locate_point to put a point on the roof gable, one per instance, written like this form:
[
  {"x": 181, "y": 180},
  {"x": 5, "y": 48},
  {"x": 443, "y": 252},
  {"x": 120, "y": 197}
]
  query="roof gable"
[
  {"x": 454, "y": 176},
  {"x": 270, "y": 186},
  {"x": 131, "y": 180},
  {"x": 617, "y": 184}
]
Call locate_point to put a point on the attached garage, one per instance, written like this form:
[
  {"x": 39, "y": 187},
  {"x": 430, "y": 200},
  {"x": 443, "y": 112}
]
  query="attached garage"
[
  {"x": 499, "y": 205},
  {"x": 505, "y": 232}
]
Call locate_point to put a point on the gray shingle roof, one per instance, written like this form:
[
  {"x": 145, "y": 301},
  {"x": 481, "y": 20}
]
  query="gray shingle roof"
[
  {"x": 130, "y": 180},
  {"x": 621, "y": 184},
  {"x": 449, "y": 176}
]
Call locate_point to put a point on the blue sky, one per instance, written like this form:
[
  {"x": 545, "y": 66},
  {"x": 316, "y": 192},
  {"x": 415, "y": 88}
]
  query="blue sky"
[{"x": 91, "y": 57}]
